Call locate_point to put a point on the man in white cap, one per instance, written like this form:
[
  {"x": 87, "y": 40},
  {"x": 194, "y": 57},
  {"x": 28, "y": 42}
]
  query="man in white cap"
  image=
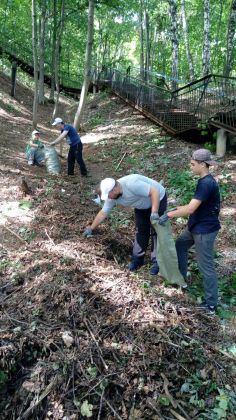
[
  {"x": 76, "y": 146},
  {"x": 202, "y": 228},
  {"x": 149, "y": 200}
]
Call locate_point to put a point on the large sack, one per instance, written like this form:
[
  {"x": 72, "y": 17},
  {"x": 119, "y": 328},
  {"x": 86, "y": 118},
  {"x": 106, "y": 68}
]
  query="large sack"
[
  {"x": 52, "y": 161},
  {"x": 166, "y": 254}
]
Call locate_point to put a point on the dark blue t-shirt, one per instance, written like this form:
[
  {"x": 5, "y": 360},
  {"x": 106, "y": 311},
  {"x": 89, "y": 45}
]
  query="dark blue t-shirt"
[
  {"x": 206, "y": 218},
  {"x": 73, "y": 137}
]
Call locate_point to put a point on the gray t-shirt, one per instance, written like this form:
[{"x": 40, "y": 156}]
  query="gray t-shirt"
[{"x": 136, "y": 189}]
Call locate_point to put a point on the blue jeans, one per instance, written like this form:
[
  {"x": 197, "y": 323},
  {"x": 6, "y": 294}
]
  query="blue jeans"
[
  {"x": 76, "y": 153},
  {"x": 204, "y": 245}
]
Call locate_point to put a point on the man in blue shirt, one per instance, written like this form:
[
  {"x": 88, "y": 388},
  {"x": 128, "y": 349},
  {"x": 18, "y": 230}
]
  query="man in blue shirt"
[
  {"x": 76, "y": 146},
  {"x": 202, "y": 228}
]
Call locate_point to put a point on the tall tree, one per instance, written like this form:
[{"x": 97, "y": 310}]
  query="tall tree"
[
  {"x": 42, "y": 25},
  {"x": 175, "y": 42},
  {"x": 141, "y": 41},
  {"x": 230, "y": 39},
  {"x": 57, "y": 56},
  {"x": 206, "y": 41},
  {"x": 35, "y": 58},
  {"x": 186, "y": 40},
  {"x": 87, "y": 65}
]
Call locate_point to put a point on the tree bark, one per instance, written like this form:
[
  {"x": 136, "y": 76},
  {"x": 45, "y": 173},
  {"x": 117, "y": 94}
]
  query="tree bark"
[
  {"x": 141, "y": 64},
  {"x": 175, "y": 43},
  {"x": 230, "y": 40},
  {"x": 53, "y": 46},
  {"x": 35, "y": 58},
  {"x": 186, "y": 41},
  {"x": 147, "y": 55},
  {"x": 87, "y": 65},
  {"x": 13, "y": 78},
  {"x": 57, "y": 58},
  {"x": 206, "y": 41},
  {"x": 41, "y": 51}
]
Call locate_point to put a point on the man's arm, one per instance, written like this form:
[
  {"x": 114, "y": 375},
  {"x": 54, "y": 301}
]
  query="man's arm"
[
  {"x": 185, "y": 210},
  {"x": 98, "y": 220},
  {"x": 155, "y": 199},
  {"x": 60, "y": 138}
]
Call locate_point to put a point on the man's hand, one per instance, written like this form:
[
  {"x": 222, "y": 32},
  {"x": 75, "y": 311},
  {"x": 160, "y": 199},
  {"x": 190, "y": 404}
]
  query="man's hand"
[
  {"x": 163, "y": 219},
  {"x": 154, "y": 217},
  {"x": 88, "y": 233}
]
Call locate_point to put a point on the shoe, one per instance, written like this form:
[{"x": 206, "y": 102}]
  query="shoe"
[
  {"x": 208, "y": 309},
  {"x": 134, "y": 266},
  {"x": 30, "y": 162},
  {"x": 154, "y": 270}
]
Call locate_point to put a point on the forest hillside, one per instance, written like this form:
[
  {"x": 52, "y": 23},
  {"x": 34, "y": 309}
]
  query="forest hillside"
[{"x": 81, "y": 337}]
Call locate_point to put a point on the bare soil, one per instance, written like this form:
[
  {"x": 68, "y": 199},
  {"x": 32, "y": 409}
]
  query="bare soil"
[{"x": 80, "y": 337}]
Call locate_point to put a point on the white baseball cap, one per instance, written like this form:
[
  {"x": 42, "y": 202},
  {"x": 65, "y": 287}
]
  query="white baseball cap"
[
  {"x": 57, "y": 121},
  {"x": 35, "y": 132},
  {"x": 106, "y": 186}
]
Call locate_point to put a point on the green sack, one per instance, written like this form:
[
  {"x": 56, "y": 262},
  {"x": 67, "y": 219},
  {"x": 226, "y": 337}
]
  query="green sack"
[
  {"x": 166, "y": 254},
  {"x": 52, "y": 161}
]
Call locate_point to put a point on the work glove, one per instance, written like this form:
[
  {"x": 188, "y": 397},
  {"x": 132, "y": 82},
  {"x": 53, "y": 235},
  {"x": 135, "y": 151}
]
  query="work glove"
[
  {"x": 154, "y": 217},
  {"x": 88, "y": 233},
  {"x": 163, "y": 219}
]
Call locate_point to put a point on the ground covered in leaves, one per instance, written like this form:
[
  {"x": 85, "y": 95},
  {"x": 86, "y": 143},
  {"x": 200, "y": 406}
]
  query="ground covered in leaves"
[{"x": 80, "y": 337}]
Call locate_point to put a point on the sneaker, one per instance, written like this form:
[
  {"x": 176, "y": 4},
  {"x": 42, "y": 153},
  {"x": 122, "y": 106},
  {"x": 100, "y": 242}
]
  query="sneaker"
[
  {"x": 30, "y": 162},
  {"x": 154, "y": 270},
  {"x": 208, "y": 309},
  {"x": 134, "y": 266}
]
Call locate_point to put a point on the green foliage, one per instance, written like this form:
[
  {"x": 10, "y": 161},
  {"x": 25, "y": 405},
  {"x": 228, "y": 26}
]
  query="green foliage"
[
  {"x": 27, "y": 234},
  {"x": 210, "y": 146},
  {"x": 95, "y": 120},
  {"x": 225, "y": 188},
  {"x": 182, "y": 185},
  {"x": 25, "y": 205},
  {"x": 6, "y": 263},
  {"x": 120, "y": 218},
  {"x": 3, "y": 378},
  {"x": 200, "y": 389}
]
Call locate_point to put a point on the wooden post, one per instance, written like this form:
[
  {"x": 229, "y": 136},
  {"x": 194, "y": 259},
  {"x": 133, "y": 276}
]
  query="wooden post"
[
  {"x": 13, "y": 78},
  {"x": 221, "y": 142}
]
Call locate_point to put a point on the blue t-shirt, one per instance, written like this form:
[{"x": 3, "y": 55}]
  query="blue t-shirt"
[
  {"x": 73, "y": 137},
  {"x": 206, "y": 218}
]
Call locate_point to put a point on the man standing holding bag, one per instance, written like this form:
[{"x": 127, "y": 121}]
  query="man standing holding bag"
[{"x": 202, "y": 228}]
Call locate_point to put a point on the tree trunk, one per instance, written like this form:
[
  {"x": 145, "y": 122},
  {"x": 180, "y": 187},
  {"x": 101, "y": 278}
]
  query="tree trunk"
[
  {"x": 41, "y": 51},
  {"x": 57, "y": 58},
  {"x": 141, "y": 41},
  {"x": 87, "y": 65},
  {"x": 13, "y": 78},
  {"x": 35, "y": 58},
  {"x": 147, "y": 55},
  {"x": 175, "y": 43},
  {"x": 206, "y": 42},
  {"x": 186, "y": 41},
  {"x": 230, "y": 40},
  {"x": 54, "y": 37}
]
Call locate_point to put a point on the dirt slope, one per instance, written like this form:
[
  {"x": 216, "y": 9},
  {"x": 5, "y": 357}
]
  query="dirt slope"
[{"x": 80, "y": 337}]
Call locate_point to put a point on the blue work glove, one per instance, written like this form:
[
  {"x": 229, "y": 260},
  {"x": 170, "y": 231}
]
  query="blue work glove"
[
  {"x": 163, "y": 219},
  {"x": 88, "y": 233},
  {"x": 154, "y": 217}
]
